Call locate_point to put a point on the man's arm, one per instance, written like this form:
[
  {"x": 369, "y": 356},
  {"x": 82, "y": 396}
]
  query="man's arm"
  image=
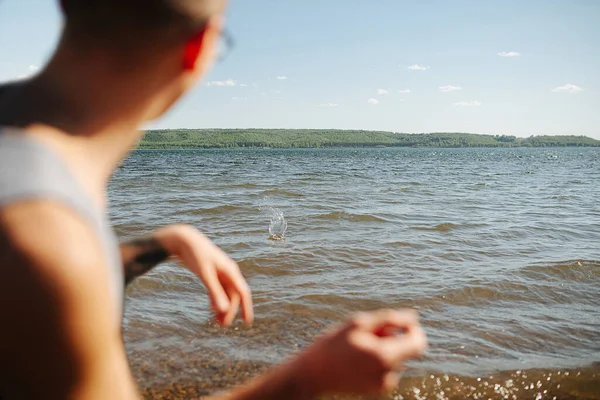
[
  {"x": 364, "y": 356},
  {"x": 60, "y": 332},
  {"x": 61, "y": 337},
  {"x": 226, "y": 285},
  {"x": 288, "y": 381}
]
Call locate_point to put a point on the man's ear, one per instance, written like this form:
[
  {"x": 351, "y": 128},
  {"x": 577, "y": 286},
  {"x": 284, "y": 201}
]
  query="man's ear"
[
  {"x": 193, "y": 48},
  {"x": 200, "y": 47}
]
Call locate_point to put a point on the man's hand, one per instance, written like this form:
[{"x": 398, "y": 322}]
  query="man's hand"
[
  {"x": 226, "y": 286},
  {"x": 366, "y": 355}
]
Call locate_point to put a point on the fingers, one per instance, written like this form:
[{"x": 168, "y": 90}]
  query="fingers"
[
  {"x": 217, "y": 294},
  {"x": 387, "y": 322},
  {"x": 391, "y": 381},
  {"x": 236, "y": 286},
  {"x": 234, "y": 301},
  {"x": 399, "y": 348},
  {"x": 245, "y": 295},
  {"x": 401, "y": 335},
  {"x": 237, "y": 290}
]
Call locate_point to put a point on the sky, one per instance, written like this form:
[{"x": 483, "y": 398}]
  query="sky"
[{"x": 516, "y": 67}]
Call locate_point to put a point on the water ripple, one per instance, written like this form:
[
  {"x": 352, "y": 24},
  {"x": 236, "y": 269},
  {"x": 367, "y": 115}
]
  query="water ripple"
[{"x": 498, "y": 249}]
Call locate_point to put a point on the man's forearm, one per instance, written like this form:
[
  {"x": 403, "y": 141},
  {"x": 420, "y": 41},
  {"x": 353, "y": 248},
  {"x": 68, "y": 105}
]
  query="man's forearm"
[
  {"x": 289, "y": 381},
  {"x": 140, "y": 255}
]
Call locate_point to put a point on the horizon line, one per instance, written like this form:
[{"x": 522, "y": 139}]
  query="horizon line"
[{"x": 379, "y": 130}]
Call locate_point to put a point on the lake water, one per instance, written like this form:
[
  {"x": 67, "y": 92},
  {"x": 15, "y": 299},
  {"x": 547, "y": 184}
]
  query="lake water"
[{"x": 499, "y": 250}]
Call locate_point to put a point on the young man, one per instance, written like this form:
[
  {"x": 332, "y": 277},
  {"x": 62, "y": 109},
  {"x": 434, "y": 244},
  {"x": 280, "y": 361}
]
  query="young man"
[{"x": 62, "y": 274}]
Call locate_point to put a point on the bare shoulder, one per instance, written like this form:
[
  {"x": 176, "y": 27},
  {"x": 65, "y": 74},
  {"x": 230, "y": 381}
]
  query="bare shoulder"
[
  {"x": 48, "y": 250},
  {"x": 54, "y": 305},
  {"x": 47, "y": 236}
]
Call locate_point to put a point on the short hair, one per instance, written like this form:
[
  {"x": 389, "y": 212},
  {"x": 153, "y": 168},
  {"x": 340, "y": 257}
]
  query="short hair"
[{"x": 123, "y": 19}]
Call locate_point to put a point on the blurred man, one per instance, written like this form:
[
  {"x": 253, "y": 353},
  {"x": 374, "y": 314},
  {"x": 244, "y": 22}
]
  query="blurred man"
[{"x": 118, "y": 65}]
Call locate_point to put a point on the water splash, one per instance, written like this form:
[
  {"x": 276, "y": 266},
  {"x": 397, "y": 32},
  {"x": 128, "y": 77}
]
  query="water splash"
[{"x": 277, "y": 224}]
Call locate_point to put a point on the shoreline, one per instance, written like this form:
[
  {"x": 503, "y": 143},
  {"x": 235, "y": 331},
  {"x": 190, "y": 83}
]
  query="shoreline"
[
  {"x": 326, "y": 138},
  {"x": 222, "y": 148},
  {"x": 179, "y": 366},
  {"x": 560, "y": 384}
]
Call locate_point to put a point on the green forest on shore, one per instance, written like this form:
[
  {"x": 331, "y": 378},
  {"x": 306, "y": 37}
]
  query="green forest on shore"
[{"x": 323, "y": 138}]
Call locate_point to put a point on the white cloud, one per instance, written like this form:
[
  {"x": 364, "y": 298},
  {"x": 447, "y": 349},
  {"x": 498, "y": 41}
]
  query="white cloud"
[
  {"x": 228, "y": 83},
  {"x": 509, "y": 54},
  {"x": 467, "y": 104},
  {"x": 568, "y": 88},
  {"x": 381, "y": 92},
  {"x": 417, "y": 67},
  {"x": 243, "y": 85},
  {"x": 449, "y": 88},
  {"x": 239, "y": 98},
  {"x": 282, "y": 78},
  {"x": 373, "y": 101},
  {"x": 329, "y": 105},
  {"x": 404, "y": 91},
  {"x": 31, "y": 70}
]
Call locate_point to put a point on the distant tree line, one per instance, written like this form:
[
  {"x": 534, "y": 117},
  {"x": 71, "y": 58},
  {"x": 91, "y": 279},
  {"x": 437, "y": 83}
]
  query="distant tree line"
[{"x": 321, "y": 138}]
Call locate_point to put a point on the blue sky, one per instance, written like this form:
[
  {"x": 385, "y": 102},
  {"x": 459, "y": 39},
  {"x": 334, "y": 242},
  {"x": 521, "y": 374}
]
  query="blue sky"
[{"x": 517, "y": 67}]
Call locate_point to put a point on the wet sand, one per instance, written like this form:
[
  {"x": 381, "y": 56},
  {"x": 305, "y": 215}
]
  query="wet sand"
[
  {"x": 174, "y": 365},
  {"x": 532, "y": 384}
]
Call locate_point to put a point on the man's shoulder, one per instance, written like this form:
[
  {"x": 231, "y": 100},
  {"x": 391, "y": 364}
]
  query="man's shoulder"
[
  {"x": 60, "y": 334},
  {"x": 49, "y": 237},
  {"x": 6, "y": 87}
]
